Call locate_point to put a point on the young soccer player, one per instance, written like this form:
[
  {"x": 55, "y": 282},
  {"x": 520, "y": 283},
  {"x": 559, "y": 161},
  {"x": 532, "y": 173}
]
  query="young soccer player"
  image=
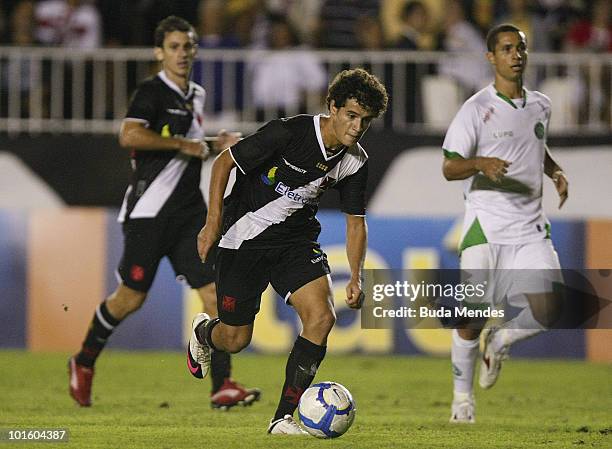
[{"x": 269, "y": 230}]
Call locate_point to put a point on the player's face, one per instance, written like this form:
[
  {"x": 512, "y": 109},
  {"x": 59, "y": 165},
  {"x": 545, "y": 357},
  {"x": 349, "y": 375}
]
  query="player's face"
[
  {"x": 177, "y": 53},
  {"x": 510, "y": 56},
  {"x": 349, "y": 122}
]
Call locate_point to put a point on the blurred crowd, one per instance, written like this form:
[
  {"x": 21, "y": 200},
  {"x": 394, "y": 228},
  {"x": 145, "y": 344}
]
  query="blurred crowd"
[
  {"x": 551, "y": 25},
  {"x": 291, "y": 78}
]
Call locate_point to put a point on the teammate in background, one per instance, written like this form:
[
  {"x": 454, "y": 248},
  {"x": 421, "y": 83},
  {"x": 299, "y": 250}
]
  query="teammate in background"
[
  {"x": 497, "y": 145},
  {"x": 270, "y": 231},
  {"x": 163, "y": 208}
]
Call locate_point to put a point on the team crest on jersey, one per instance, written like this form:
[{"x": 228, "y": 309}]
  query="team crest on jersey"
[
  {"x": 327, "y": 183},
  {"x": 321, "y": 166},
  {"x": 270, "y": 178},
  {"x": 539, "y": 131}
]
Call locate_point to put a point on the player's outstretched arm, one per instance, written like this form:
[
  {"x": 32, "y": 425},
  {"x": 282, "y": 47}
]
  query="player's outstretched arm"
[
  {"x": 211, "y": 231},
  {"x": 356, "y": 244},
  {"x": 458, "y": 168},
  {"x": 556, "y": 173},
  {"x": 134, "y": 135}
]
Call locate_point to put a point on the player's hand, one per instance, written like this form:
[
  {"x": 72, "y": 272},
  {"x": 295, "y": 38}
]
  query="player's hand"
[
  {"x": 562, "y": 186},
  {"x": 354, "y": 294},
  {"x": 225, "y": 140},
  {"x": 492, "y": 167},
  {"x": 207, "y": 238},
  {"x": 195, "y": 148}
]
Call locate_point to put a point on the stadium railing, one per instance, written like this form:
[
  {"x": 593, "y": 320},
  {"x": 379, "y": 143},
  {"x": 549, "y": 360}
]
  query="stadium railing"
[{"x": 87, "y": 91}]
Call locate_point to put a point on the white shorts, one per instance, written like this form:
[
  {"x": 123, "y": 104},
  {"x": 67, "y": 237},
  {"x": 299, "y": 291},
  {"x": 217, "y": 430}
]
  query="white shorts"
[{"x": 512, "y": 271}]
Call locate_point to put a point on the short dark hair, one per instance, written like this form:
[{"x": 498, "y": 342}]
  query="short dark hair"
[
  {"x": 410, "y": 7},
  {"x": 360, "y": 85},
  {"x": 493, "y": 32},
  {"x": 170, "y": 24}
]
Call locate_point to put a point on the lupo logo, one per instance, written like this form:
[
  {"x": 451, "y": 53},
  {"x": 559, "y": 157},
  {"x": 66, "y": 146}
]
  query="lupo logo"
[{"x": 270, "y": 178}]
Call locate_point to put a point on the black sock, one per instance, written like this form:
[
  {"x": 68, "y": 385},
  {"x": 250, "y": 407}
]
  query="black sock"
[
  {"x": 204, "y": 332},
  {"x": 101, "y": 327},
  {"x": 220, "y": 368},
  {"x": 302, "y": 365}
]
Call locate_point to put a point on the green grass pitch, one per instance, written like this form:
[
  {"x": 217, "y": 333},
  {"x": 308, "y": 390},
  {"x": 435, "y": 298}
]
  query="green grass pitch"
[{"x": 148, "y": 400}]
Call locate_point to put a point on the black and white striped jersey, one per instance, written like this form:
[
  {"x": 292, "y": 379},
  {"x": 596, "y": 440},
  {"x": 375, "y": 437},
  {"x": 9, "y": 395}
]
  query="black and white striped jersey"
[
  {"x": 283, "y": 169},
  {"x": 165, "y": 182}
]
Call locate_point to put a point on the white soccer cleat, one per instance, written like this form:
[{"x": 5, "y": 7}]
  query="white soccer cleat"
[
  {"x": 286, "y": 426},
  {"x": 463, "y": 409},
  {"x": 491, "y": 362},
  {"x": 198, "y": 354}
]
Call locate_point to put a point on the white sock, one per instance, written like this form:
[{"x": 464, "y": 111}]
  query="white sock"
[
  {"x": 463, "y": 358},
  {"x": 522, "y": 326}
]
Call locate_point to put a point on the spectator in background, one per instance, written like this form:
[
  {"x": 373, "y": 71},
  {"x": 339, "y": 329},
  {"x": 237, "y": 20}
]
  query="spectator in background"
[
  {"x": 68, "y": 23},
  {"x": 217, "y": 32},
  {"x": 534, "y": 27},
  {"x": 594, "y": 35},
  {"x": 286, "y": 79},
  {"x": 559, "y": 17},
  {"x": 337, "y": 22},
  {"x": 414, "y": 23},
  {"x": 304, "y": 16},
  {"x": 21, "y": 34},
  {"x": 460, "y": 36}
]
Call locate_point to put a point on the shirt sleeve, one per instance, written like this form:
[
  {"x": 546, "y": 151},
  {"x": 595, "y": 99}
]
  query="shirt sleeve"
[
  {"x": 255, "y": 149},
  {"x": 143, "y": 105},
  {"x": 461, "y": 138},
  {"x": 353, "y": 191}
]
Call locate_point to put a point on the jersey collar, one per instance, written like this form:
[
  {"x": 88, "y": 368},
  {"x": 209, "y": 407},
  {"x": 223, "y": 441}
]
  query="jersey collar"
[
  {"x": 172, "y": 85},
  {"x": 317, "y": 125},
  {"x": 508, "y": 100}
]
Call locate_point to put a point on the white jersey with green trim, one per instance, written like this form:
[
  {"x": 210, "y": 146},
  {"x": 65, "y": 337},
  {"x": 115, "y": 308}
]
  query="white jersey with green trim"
[{"x": 492, "y": 125}]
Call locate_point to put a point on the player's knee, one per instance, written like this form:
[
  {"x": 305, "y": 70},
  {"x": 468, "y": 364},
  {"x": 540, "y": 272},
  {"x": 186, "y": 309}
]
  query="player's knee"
[
  {"x": 124, "y": 301},
  {"x": 236, "y": 341},
  {"x": 322, "y": 323}
]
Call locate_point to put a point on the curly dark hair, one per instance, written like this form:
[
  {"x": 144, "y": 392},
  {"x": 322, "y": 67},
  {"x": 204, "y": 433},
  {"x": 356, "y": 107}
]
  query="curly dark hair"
[
  {"x": 360, "y": 85},
  {"x": 170, "y": 24}
]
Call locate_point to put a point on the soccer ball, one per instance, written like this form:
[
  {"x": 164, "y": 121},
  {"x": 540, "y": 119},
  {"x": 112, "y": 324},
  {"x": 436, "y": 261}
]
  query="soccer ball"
[{"x": 326, "y": 410}]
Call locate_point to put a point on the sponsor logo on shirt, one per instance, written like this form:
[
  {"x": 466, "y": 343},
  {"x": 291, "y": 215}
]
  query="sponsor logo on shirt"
[
  {"x": 293, "y": 167},
  {"x": 270, "y": 178},
  {"x": 502, "y": 134},
  {"x": 319, "y": 256},
  {"x": 176, "y": 111},
  {"x": 285, "y": 190}
]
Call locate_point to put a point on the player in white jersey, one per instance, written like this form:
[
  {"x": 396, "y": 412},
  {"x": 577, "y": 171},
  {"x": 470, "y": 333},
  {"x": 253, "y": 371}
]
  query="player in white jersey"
[{"x": 496, "y": 144}]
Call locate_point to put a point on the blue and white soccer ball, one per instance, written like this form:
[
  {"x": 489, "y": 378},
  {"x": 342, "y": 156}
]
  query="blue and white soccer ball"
[{"x": 327, "y": 410}]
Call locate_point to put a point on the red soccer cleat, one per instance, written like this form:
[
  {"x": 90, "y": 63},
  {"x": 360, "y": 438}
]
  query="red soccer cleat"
[
  {"x": 80, "y": 378},
  {"x": 232, "y": 393}
]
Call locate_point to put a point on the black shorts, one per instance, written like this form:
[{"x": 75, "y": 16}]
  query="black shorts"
[
  {"x": 148, "y": 240},
  {"x": 244, "y": 274}
]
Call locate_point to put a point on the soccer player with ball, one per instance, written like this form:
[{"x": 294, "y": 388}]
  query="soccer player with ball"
[
  {"x": 496, "y": 144},
  {"x": 269, "y": 231}
]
